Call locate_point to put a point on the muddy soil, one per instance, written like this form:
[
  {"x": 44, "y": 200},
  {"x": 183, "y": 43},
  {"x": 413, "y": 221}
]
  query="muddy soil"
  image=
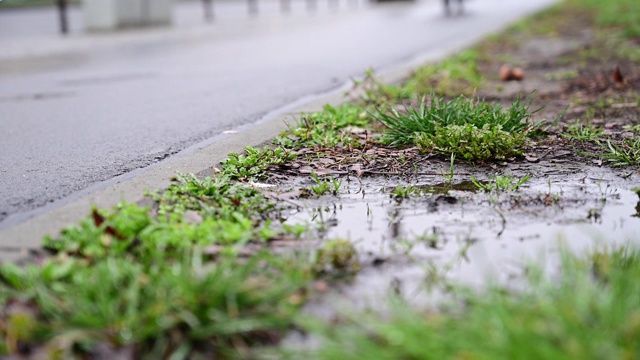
[{"x": 450, "y": 229}]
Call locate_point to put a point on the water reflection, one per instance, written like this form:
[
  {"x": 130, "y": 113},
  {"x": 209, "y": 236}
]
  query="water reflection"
[{"x": 452, "y": 230}]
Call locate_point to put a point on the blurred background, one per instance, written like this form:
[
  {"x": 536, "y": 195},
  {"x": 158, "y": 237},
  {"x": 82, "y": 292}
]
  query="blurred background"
[{"x": 32, "y": 17}]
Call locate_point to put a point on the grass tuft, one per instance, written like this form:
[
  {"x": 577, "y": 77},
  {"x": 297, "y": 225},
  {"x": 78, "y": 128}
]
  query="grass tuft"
[
  {"x": 471, "y": 143},
  {"x": 254, "y": 163},
  {"x": 458, "y": 74},
  {"x": 627, "y": 152},
  {"x": 590, "y": 312},
  {"x": 621, "y": 14},
  {"x": 324, "y": 129},
  {"x": 474, "y": 130},
  {"x": 159, "y": 281},
  {"x": 582, "y": 132},
  {"x": 160, "y": 307},
  {"x": 501, "y": 183}
]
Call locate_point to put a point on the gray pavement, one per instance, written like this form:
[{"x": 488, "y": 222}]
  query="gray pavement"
[{"x": 82, "y": 113}]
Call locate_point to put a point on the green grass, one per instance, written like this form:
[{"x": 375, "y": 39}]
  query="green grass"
[
  {"x": 623, "y": 15},
  {"x": 191, "y": 212},
  {"x": 189, "y": 275},
  {"x": 616, "y": 29},
  {"x": 501, "y": 183},
  {"x": 582, "y": 132},
  {"x": 404, "y": 192},
  {"x": 165, "y": 280},
  {"x": 626, "y": 152},
  {"x": 544, "y": 23},
  {"x": 372, "y": 91},
  {"x": 473, "y": 130},
  {"x": 254, "y": 162},
  {"x": 592, "y": 311},
  {"x": 323, "y": 186},
  {"x": 158, "y": 307},
  {"x": 453, "y": 76},
  {"x": 213, "y": 197},
  {"x": 473, "y": 144},
  {"x": 337, "y": 256},
  {"x": 324, "y": 129}
]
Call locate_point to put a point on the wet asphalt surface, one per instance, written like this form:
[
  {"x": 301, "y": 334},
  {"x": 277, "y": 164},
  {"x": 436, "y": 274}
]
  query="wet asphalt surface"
[{"x": 79, "y": 111}]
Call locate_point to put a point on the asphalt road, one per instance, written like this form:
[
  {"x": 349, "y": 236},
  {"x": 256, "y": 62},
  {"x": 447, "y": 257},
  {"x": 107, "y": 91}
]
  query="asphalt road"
[{"x": 79, "y": 111}]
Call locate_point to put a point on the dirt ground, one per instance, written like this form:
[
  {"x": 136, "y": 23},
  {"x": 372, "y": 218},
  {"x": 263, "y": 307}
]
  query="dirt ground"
[{"x": 575, "y": 198}]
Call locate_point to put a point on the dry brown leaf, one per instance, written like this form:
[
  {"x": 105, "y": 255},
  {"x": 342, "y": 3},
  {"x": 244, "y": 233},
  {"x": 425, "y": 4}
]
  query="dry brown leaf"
[
  {"x": 98, "y": 220},
  {"x": 357, "y": 168},
  {"x": 326, "y": 161},
  {"x": 617, "y": 75}
]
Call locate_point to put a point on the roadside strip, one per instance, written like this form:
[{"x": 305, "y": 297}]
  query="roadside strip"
[{"x": 16, "y": 241}]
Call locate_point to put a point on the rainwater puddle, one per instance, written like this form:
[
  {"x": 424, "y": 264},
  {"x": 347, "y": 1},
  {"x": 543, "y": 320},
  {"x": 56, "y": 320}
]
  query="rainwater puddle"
[{"x": 468, "y": 236}]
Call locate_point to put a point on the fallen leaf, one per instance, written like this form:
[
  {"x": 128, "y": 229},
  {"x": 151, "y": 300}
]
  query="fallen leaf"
[
  {"x": 321, "y": 286},
  {"x": 357, "y": 168},
  {"x": 617, "y": 75},
  {"x": 532, "y": 159},
  {"x": 628, "y": 135},
  {"x": 326, "y": 161},
  {"x": 98, "y": 220}
]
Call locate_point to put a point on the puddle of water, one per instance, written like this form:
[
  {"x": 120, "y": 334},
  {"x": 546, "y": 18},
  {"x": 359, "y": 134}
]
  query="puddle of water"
[
  {"x": 470, "y": 236},
  {"x": 445, "y": 187}
]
